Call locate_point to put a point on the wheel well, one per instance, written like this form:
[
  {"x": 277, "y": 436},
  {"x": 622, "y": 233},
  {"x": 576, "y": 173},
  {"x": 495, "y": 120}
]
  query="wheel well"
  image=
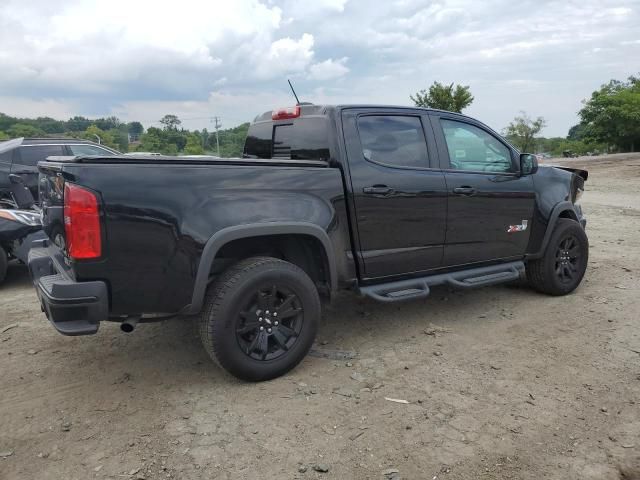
[
  {"x": 305, "y": 251},
  {"x": 568, "y": 214}
]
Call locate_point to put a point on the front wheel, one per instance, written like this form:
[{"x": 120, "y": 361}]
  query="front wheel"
[
  {"x": 260, "y": 318},
  {"x": 564, "y": 263}
]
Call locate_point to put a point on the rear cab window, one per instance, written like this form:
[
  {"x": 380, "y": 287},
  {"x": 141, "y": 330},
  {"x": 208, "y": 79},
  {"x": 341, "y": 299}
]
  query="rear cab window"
[{"x": 298, "y": 139}]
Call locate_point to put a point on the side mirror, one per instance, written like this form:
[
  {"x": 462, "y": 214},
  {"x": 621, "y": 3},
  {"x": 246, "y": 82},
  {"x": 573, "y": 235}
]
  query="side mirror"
[{"x": 528, "y": 164}]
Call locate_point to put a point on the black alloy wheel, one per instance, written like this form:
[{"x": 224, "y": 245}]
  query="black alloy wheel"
[
  {"x": 270, "y": 323},
  {"x": 567, "y": 258},
  {"x": 561, "y": 269},
  {"x": 260, "y": 318}
]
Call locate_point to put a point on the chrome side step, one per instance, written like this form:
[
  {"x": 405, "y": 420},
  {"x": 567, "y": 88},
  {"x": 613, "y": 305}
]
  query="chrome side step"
[{"x": 419, "y": 287}]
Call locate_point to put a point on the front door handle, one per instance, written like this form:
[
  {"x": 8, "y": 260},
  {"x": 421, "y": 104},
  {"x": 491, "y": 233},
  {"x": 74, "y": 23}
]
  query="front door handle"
[
  {"x": 464, "y": 191},
  {"x": 378, "y": 190}
]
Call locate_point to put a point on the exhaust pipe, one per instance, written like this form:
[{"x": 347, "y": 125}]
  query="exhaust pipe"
[{"x": 129, "y": 324}]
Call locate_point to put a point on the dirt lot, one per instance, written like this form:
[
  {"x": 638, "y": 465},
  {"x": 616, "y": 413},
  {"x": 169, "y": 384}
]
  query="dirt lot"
[{"x": 502, "y": 383}]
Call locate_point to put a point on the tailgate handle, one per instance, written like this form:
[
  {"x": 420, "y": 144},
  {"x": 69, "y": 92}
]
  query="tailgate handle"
[{"x": 378, "y": 190}]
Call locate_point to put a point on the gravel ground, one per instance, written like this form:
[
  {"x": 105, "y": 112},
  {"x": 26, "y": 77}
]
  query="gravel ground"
[{"x": 499, "y": 383}]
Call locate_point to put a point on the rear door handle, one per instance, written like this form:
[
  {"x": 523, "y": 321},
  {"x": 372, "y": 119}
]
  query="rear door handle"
[
  {"x": 464, "y": 191},
  {"x": 378, "y": 190}
]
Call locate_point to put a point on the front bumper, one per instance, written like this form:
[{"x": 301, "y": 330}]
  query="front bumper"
[{"x": 73, "y": 308}]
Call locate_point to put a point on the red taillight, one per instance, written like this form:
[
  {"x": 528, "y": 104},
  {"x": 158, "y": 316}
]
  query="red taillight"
[
  {"x": 285, "y": 113},
  {"x": 81, "y": 223}
]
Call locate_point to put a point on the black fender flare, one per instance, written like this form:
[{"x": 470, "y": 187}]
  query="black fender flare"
[
  {"x": 237, "y": 232},
  {"x": 553, "y": 219}
]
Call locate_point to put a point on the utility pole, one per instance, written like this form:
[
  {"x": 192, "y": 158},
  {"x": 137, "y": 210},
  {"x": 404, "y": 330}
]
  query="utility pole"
[{"x": 218, "y": 124}]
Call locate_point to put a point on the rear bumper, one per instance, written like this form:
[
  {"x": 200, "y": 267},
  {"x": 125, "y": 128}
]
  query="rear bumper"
[{"x": 73, "y": 308}]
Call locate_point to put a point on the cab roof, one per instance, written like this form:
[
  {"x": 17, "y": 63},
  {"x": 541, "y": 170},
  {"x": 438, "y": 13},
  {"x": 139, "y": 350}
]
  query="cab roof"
[{"x": 308, "y": 109}]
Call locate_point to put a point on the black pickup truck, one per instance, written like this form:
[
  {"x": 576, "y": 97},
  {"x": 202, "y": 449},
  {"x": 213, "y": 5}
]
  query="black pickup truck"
[{"x": 386, "y": 201}]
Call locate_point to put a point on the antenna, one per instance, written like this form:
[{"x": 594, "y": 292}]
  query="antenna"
[{"x": 294, "y": 92}]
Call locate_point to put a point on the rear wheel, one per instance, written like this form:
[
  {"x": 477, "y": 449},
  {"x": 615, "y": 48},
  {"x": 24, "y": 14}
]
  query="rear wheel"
[
  {"x": 3, "y": 264},
  {"x": 260, "y": 318},
  {"x": 564, "y": 263}
]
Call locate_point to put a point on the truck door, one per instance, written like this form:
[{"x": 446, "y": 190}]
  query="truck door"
[
  {"x": 399, "y": 192},
  {"x": 490, "y": 206}
]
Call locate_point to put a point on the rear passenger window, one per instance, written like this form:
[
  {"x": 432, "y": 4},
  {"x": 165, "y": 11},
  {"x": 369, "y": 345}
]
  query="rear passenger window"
[
  {"x": 32, "y": 155},
  {"x": 393, "y": 140}
]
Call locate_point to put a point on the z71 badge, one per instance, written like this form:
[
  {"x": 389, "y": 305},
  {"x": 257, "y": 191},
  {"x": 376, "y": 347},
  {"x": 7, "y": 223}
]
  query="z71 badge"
[{"x": 518, "y": 228}]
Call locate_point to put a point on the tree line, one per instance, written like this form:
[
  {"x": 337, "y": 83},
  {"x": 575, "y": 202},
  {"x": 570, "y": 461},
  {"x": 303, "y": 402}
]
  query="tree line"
[
  {"x": 169, "y": 139},
  {"x": 609, "y": 119}
]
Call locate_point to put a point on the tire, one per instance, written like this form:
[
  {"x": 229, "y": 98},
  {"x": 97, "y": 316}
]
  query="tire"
[
  {"x": 565, "y": 259},
  {"x": 3, "y": 264},
  {"x": 239, "y": 324}
]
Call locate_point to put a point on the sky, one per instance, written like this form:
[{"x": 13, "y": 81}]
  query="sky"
[{"x": 142, "y": 59}]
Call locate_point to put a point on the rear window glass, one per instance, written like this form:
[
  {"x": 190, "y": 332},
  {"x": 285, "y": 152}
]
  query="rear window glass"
[
  {"x": 258, "y": 142},
  {"x": 31, "y": 155},
  {"x": 393, "y": 140},
  {"x": 303, "y": 139}
]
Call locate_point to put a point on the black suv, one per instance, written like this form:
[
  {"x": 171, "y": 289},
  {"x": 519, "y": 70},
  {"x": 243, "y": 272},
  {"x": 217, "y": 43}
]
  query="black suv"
[{"x": 21, "y": 156}]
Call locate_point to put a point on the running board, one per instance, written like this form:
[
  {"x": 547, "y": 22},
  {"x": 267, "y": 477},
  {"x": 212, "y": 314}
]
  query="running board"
[{"x": 419, "y": 287}]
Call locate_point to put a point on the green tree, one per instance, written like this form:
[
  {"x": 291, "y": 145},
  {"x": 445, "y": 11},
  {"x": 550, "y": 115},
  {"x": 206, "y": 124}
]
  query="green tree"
[
  {"x": 612, "y": 114},
  {"x": 78, "y": 124},
  {"x": 577, "y": 132},
  {"x": 135, "y": 128},
  {"x": 444, "y": 97},
  {"x": 120, "y": 138},
  {"x": 3, "y": 136},
  {"x": 522, "y": 132},
  {"x": 152, "y": 141},
  {"x": 23, "y": 130},
  {"x": 106, "y": 137},
  {"x": 170, "y": 122},
  {"x": 193, "y": 145},
  {"x": 6, "y": 121},
  {"x": 109, "y": 123}
]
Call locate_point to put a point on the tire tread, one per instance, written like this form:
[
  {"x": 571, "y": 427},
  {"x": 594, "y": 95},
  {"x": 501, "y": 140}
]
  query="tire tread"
[
  {"x": 537, "y": 270},
  {"x": 228, "y": 281}
]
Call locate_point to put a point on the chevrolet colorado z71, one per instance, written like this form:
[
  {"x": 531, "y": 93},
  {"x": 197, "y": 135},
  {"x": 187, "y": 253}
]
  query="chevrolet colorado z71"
[{"x": 387, "y": 201}]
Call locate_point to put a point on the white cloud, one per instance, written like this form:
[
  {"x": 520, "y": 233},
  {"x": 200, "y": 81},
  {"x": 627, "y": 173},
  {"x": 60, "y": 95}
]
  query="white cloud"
[
  {"x": 286, "y": 55},
  {"x": 86, "y": 57},
  {"x": 329, "y": 69}
]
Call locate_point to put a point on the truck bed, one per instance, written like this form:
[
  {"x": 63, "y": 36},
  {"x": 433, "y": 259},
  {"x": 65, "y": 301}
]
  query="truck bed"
[{"x": 159, "y": 213}]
